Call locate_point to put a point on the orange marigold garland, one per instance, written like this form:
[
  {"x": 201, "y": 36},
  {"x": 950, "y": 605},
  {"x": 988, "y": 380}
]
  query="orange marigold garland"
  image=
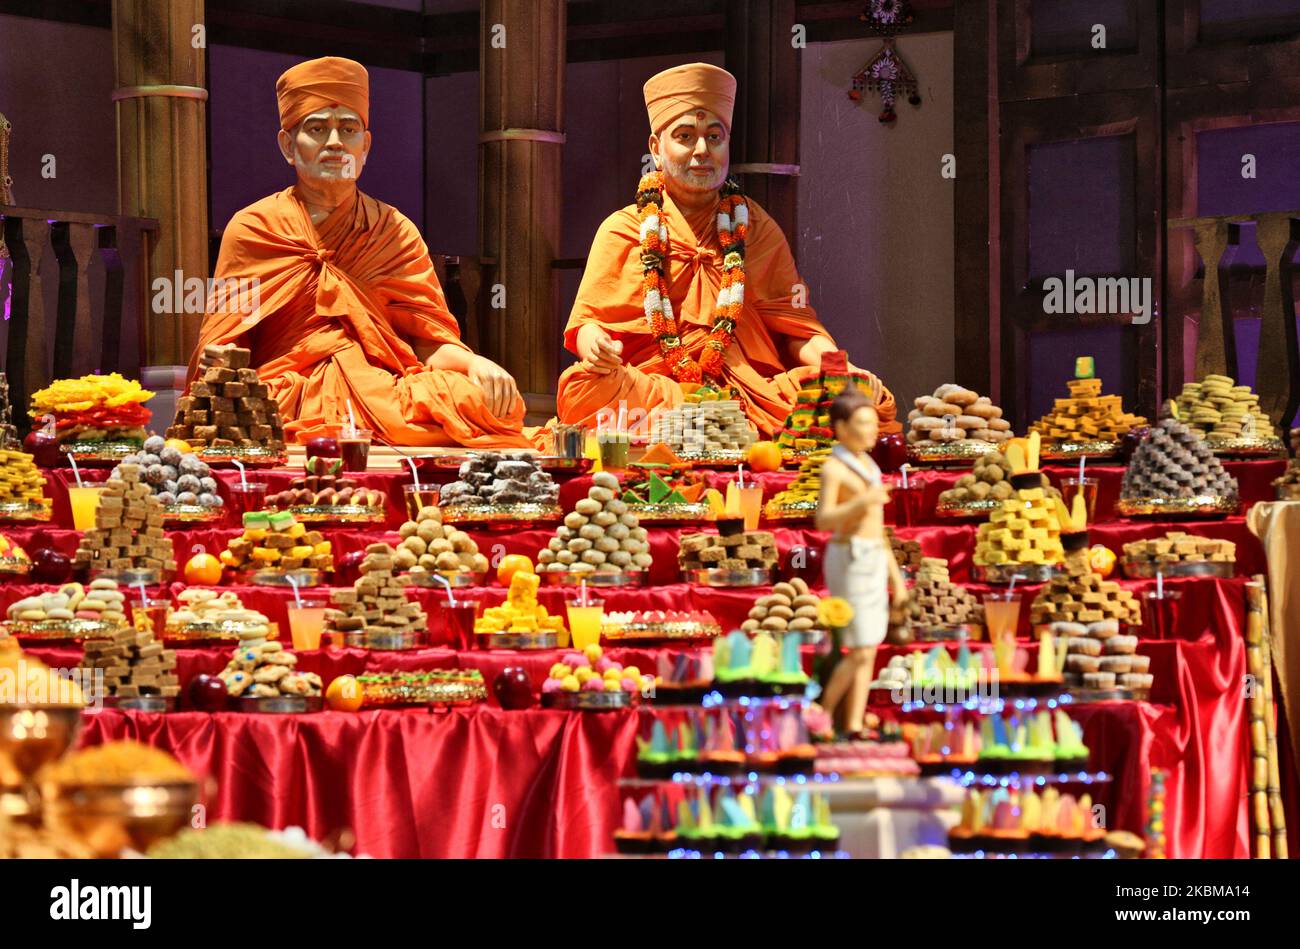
[{"x": 733, "y": 225}]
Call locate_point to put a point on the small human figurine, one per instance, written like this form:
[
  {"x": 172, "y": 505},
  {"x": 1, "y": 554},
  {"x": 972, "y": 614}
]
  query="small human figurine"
[{"x": 858, "y": 564}]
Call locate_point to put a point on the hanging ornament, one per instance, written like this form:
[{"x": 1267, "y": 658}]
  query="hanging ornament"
[{"x": 886, "y": 73}]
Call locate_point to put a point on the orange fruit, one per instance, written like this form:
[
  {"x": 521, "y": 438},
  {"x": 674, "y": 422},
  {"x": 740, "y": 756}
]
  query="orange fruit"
[
  {"x": 764, "y": 456},
  {"x": 180, "y": 444},
  {"x": 1102, "y": 559},
  {"x": 510, "y": 565},
  {"x": 345, "y": 694},
  {"x": 203, "y": 569}
]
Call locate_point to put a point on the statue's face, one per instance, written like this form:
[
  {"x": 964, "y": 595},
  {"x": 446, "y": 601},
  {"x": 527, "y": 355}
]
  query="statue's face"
[
  {"x": 694, "y": 152},
  {"x": 329, "y": 145},
  {"x": 860, "y": 431}
]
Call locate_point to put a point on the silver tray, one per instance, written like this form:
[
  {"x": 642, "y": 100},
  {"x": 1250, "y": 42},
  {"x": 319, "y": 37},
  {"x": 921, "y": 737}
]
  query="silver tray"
[
  {"x": 336, "y": 513},
  {"x": 26, "y": 511},
  {"x": 958, "y": 454},
  {"x": 101, "y": 454},
  {"x": 1073, "y": 451},
  {"x": 61, "y": 630},
  {"x": 503, "y": 514},
  {"x": 728, "y": 457},
  {"x": 717, "y": 577},
  {"x": 796, "y": 511},
  {"x": 256, "y": 457},
  {"x": 671, "y": 514},
  {"x": 1079, "y": 695},
  {"x": 1246, "y": 447},
  {"x": 277, "y": 704},
  {"x": 634, "y": 632},
  {"x": 1146, "y": 569},
  {"x": 541, "y": 639},
  {"x": 588, "y": 701},
  {"x": 1002, "y": 572},
  {"x": 455, "y": 578},
  {"x": 132, "y": 576},
  {"x": 594, "y": 578},
  {"x": 192, "y": 514},
  {"x": 971, "y": 509},
  {"x": 271, "y": 577},
  {"x": 943, "y": 632},
  {"x": 397, "y": 640},
  {"x": 1201, "y": 506},
  {"x": 142, "y": 703}
]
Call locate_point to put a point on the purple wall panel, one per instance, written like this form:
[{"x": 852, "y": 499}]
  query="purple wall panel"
[
  {"x": 451, "y": 144},
  {"x": 1051, "y": 359},
  {"x": 1066, "y": 26}
]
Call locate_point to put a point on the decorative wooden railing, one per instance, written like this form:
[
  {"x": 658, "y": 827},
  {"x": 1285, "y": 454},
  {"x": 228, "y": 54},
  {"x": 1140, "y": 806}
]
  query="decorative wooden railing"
[{"x": 82, "y": 334}]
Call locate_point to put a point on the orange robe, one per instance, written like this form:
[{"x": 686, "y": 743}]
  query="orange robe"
[
  {"x": 758, "y": 361},
  {"x": 340, "y": 304}
]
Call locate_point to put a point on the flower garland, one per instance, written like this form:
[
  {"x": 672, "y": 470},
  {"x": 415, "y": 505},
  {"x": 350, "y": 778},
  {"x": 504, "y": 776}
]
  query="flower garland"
[{"x": 733, "y": 225}]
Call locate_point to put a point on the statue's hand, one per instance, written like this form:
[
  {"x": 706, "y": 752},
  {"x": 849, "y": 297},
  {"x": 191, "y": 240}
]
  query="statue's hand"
[
  {"x": 601, "y": 352},
  {"x": 499, "y": 389}
]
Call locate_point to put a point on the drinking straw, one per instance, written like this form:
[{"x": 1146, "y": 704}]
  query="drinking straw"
[
  {"x": 582, "y": 594},
  {"x": 352, "y": 419},
  {"x": 243, "y": 476},
  {"x": 904, "y": 470},
  {"x": 1083, "y": 460},
  {"x": 740, "y": 476},
  {"x": 451, "y": 600},
  {"x": 293, "y": 582},
  {"x": 415, "y": 474},
  {"x": 1160, "y": 584},
  {"x": 1012, "y": 588},
  {"x": 144, "y": 597},
  {"x": 76, "y": 472}
]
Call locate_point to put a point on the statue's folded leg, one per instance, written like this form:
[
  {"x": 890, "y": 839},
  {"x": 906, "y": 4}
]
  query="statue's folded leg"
[{"x": 584, "y": 397}]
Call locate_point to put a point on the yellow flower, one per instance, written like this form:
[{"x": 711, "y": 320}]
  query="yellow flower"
[{"x": 834, "y": 612}]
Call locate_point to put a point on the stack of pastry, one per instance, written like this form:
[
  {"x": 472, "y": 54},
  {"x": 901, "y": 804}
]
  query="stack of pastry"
[
  {"x": 955, "y": 414},
  {"x": 128, "y": 532},
  {"x": 752, "y": 550},
  {"x": 934, "y": 600},
  {"x": 277, "y": 540},
  {"x": 133, "y": 664},
  {"x": 101, "y": 602},
  {"x": 1181, "y": 547},
  {"x": 376, "y": 605},
  {"x": 600, "y": 535},
  {"x": 226, "y": 406},
  {"x": 428, "y": 544},
  {"x": 906, "y": 552},
  {"x": 1221, "y": 409},
  {"x": 21, "y": 482},
  {"x": 1024, "y": 528},
  {"x": 520, "y": 613},
  {"x": 267, "y": 670},
  {"x": 1086, "y": 416},
  {"x": 94, "y": 408},
  {"x": 789, "y": 607},
  {"x": 703, "y": 428},
  {"x": 495, "y": 478},
  {"x": 1175, "y": 462},
  {"x": 200, "y": 607}
]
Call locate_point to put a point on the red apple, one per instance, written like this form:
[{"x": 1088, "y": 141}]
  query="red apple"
[
  {"x": 45, "y": 448},
  {"x": 50, "y": 566},
  {"x": 324, "y": 446},
  {"x": 890, "y": 452},
  {"x": 347, "y": 569},
  {"x": 207, "y": 693},
  {"x": 513, "y": 688},
  {"x": 803, "y": 561}
]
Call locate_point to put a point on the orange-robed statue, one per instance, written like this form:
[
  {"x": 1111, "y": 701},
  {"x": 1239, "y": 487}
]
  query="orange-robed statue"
[
  {"x": 693, "y": 283},
  {"x": 349, "y": 307}
]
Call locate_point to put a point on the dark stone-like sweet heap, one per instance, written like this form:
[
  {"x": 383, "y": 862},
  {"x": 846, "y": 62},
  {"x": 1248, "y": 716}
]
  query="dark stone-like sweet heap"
[
  {"x": 1175, "y": 462},
  {"x": 500, "y": 478}
]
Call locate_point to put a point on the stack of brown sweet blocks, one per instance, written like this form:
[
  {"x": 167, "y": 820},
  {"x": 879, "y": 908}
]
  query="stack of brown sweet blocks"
[
  {"x": 128, "y": 532},
  {"x": 377, "y": 602},
  {"x": 133, "y": 664},
  {"x": 227, "y": 406}
]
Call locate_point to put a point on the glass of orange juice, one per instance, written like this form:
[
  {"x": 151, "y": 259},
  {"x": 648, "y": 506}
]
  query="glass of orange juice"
[
  {"x": 584, "y": 621},
  {"x": 307, "y": 622},
  {"x": 84, "y": 500},
  {"x": 1002, "y": 614},
  {"x": 751, "y": 504}
]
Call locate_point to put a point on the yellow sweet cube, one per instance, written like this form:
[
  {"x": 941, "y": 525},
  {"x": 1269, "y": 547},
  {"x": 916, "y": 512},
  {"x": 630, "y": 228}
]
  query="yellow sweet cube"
[
  {"x": 1016, "y": 525},
  {"x": 995, "y": 556},
  {"x": 1031, "y": 555},
  {"x": 1036, "y": 536},
  {"x": 1036, "y": 513},
  {"x": 1031, "y": 494},
  {"x": 297, "y": 529}
]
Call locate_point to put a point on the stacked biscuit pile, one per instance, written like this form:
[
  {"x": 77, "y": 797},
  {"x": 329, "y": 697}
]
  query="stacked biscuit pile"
[
  {"x": 128, "y": 532},
  {"x": 203, "y": 607},
  {"x": 497, "y": 478},
  {"x": 20, "y": 480},
  {"x": 1024, "y": 529},
  {"x": 599, "y": 535},
  {"x": 1219, "y": 408},
  {"x": 935, "y": 600},
  {"x": 790, "y": 606},
  {"x": 1098, "y": 657},
  {"x": 227, "y": 406},
  {"x": 101, "y": 602},
  {"x": 1181, "y": 547},
  {"x": 1175, "y": 462},
  {"x": 1080, "y": 596},
  {"x": 1086, "y": 416},
  {"x": 906, "y": 552},
  {"x": 277, "y": 540},
  {"x": 133, "y": 664},
  {"x": 806, "y": 488},
  {"x": 428, "y": 544},
  {"x": 377, "y": 603},
  {"x": 955, "y": 414},
  {"x": 746, "y": 551},
  {"x": 704, "y": 427},
  {"x": 267, "y": 670},
  {"x": 173, "y": 477}
]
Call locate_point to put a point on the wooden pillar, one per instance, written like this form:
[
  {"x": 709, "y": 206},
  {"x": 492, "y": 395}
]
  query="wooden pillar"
[
  {"x": 520, "y": 190},
  {"x": 159, "y": 52},
  {"x": 1216, "y": 341},
  {"x": 1277, "y": 372},
  {"x": 765, "y": 127}
]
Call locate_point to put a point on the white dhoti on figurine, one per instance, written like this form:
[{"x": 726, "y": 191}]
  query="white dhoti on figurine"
[{"x": 857, "y": 570}]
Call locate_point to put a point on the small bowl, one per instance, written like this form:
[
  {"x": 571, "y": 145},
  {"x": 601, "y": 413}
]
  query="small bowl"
[{"x": 109, "y": 818}]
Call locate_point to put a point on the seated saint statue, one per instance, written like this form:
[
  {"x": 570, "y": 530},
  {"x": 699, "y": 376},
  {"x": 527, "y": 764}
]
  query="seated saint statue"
[
  {"x": 349, "y": 308},
  {"x": 694, "y": 283}
]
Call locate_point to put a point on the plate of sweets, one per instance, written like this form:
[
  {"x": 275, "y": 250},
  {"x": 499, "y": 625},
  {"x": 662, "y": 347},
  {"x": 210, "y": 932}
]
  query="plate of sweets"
[
  {"x": 955, "y": 426},
  {"x": 1179, "y": 554},
  {"x": 1087, "y": 424},
  {"x": 324, "y": 495},
  {"x": 274, "y": 546},
  {"x": 981, "y": 490},
  {"x": 136, "y": 670},
  {"x": 662, "y": 489},
  {"x": 73, "y": 612},
  {"x": 207, "y": 616},
  {"x": 434, "y": 554},
  {"x": 1230, "y": 418},
  {"x": 798, "y": 502},
  {"x": 227, "y": 414},
  {"x": 708, "y": 428},
  {"x": 264, "y": 677},
  {"x": 588, "y": 681},
  {"x": 521, "y": 622},
  {"x": 96, "y": 419},
  {"x": 807, "y": 428},
  {"x": 501, "y": 489},
  {"x": 940, "y": 610},
  {"x": 737, "y": 558},
  {"x": 376, "y": 612},
  {"x": 443, "y": 687},
  {"x": 177, "y": 478},
  {"x": 1174, "y": 473},
  {"x": 657, "y": 625},
  {"x": 601, "y": 542},
  {"x": 22, "y": 488}
]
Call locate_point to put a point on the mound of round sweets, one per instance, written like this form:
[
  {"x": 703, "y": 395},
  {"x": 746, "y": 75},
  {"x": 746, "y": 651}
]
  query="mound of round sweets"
[
  {"x": 592, "y": 671},
  {"x": 428, "y": 544},
  {"x": 599, "y": 534},
  {"x": 1220, "y": 408},
  {"x": 267, "y": 671},
  {"x": 173, "y": 477},
  {"x": 955, "y": 414},
  {"x": 790, "y": 606},
  {"x": 102, "y": 602}
]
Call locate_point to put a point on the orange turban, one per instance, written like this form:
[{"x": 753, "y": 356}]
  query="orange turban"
[
  {"x": 320, "y": 84},
  {"x": 674, "y": 92}
]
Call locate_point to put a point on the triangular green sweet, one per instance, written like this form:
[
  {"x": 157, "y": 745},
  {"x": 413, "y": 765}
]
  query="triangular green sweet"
[
  {"x": 658, "y": 489},
  {"x": 631, "y": 497},
  {"x": 674, "y": 497}
]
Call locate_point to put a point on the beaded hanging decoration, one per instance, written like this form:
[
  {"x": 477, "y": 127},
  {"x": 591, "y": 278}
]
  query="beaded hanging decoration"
[
  {"x": 733, "y": 225},
  {"x": 886, "y": 73}
]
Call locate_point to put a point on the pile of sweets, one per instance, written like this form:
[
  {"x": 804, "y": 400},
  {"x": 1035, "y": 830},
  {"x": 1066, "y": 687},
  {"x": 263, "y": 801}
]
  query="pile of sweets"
[
  {"x": 1012, "y": 814},
  {"x": 989, "y": 480},
  {"x": 116, "y": 763},
  {"x": 935, "y": 600},
  {"x": 239, "y": 841},
  {"x": 906, "y": 552},
  {"x": 790, "y": 606},
  {"x": 20, "y": 480},
  {"x": 428, "y": 544},
  {"x": 203, "y": 607},
  {"x": 592, "y": 671},
  {"x": 600, "y": 534},
  {"x": 1079, "y": 597},
  {"x": 128, "y": 532},
  {"x": 133, "y": 664},
  {"x": 705, "y": 423},
  {"x": 808, "y": 427},
  {"x": 500, "y": 478},
  {"x": 267, "y": 670},
  {"x": 377, "y": 602},
  {"x": 663, "y": 482},
  {"x": 520, "y": 613},
  {"x": 173, "y": 476},
  {"x": 743, "y": 551},
  {"x": 955, "y": 414},
  {"x": 1175, "y": 462},
  {"x": 8, "y": 431},
  {"x": 94, "y": 409},
  {"x": 1029, "y": 737},
  {"x": 324, "y": 486},
  {"x": 771, "y": 656},
  {"x": 1087, "y": 415},
  {"x": 226, "y": 406},
  {"x": 935, "y": 743},
  {"x": 1219, "y": 408},
  {"x": 1181, "y": 547},
  {"x": 276, "y": 539},
  {"x": 13, "y": 559},
  {"x": 101, "y": 602},
  {"x": 1292, "y": 473},
  {"x": 1024, "y": 528},
  {"x": 1098, "y": 657},
  {"x": 30, "y": 681},
  {"x": 806, "y": 488}
]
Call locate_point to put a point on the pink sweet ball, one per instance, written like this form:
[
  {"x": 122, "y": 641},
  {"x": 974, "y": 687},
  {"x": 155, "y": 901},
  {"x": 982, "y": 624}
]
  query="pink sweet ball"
[
  {"x": 630, "y": 685},
  {"x": 551, "y": 685},
  {"x": 575, "y": 659},
  {"x": 604, "y": 664},
  {"x": 594, "y": 684}
]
